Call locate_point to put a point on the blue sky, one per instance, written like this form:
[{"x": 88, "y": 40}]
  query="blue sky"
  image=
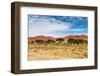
[{"x": 57, "y": 26}]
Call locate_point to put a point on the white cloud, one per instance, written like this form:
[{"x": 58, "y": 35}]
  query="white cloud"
[{"x": 46, "y": 26}]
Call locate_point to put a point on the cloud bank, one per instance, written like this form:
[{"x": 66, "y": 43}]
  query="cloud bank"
[{"x": 51, "y": 26}]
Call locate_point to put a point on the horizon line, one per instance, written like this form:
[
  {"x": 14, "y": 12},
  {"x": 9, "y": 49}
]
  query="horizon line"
[{"x": 59, "y": 36}]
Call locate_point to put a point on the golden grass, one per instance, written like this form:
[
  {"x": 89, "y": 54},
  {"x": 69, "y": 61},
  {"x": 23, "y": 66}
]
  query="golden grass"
[{"x": 51, "y": 52}]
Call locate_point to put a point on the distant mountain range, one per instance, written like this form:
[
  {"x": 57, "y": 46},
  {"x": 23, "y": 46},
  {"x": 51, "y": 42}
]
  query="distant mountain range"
[{"x": 53, "y": 38}]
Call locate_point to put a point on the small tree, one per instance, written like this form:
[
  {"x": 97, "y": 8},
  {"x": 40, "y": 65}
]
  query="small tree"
[
  {"x": 85, "y": 41},
  {"x": 60, "y": 39},
  {"x": 32, "y": 42},
  {"x": 70, "y": 41},
  {"x": 50, "y": 41},
  {"x": 77, "y": 41}
]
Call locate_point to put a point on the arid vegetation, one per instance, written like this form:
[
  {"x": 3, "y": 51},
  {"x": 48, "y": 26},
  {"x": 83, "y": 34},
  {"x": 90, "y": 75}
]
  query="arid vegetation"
[{"x": 59, "y": 48}]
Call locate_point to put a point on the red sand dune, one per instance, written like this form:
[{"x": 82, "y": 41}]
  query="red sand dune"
[
  {"x": 76, "y": 37},
  {"x": 52, "y": 38},
  {"x": 42, "y": 38}
]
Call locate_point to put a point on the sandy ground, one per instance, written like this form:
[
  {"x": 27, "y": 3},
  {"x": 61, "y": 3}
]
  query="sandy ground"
[{"x": 52, "y": 52}]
